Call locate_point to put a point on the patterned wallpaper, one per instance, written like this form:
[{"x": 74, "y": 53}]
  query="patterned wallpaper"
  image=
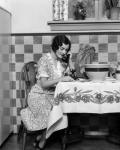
[{"x": 30, "y": 47}]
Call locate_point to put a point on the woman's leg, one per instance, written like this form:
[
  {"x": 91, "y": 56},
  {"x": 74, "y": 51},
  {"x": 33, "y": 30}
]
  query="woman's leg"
[
  {"x": 42, "y": 140},
  {"x": 37, "y": 140}
]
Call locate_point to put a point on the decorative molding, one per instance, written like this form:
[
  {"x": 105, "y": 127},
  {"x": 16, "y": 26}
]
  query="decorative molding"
[{"x": 85, "y": 25}]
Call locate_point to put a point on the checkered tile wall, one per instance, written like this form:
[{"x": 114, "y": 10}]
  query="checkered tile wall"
[{"x": 31, "y": 47}]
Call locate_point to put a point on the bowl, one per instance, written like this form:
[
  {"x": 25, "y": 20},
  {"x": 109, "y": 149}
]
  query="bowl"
[{"x": 97, "y": 72}]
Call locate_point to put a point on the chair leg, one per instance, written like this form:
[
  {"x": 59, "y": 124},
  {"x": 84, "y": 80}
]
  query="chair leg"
[
  {"x": 20, "y": 132},
  {"x": 24, "y": 140}
]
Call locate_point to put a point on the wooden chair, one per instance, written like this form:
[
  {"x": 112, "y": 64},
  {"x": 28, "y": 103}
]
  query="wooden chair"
[{"x": 27, "y": 80}]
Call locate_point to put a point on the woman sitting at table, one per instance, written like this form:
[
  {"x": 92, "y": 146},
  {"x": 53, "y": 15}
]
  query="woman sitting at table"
[
  {"x": 86, "y": 55},
  {"x": 52, "y": 67}
]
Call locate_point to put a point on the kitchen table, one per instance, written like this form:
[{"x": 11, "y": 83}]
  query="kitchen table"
[{"x": 83, "y": 96}]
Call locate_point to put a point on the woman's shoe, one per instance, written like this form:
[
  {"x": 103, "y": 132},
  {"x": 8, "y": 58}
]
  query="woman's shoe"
[
  {"x": 42, "y": 141},
  {"x": 36, "y": 143},
  {"x": 39, "y": 148}
]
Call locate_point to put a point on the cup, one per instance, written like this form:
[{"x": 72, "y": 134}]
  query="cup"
[{"x": 118, "y": 73}]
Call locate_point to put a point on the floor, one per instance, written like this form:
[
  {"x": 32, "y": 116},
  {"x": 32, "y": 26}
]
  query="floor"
[{"x": 54, "y": 144}]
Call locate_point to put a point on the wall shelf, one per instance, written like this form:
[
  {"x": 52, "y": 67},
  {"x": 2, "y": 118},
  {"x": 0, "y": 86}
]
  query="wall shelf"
[{"x": 85, "y": 26}]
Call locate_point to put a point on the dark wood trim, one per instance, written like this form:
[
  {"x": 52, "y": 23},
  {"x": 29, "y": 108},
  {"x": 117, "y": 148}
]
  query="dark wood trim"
[{"x": 67, "y": 33}]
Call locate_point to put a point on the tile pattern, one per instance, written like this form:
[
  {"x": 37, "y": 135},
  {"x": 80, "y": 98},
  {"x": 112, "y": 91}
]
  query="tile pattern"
[
  {"x": 5, "y": 91},
  {"x": 31, "y": 47}
]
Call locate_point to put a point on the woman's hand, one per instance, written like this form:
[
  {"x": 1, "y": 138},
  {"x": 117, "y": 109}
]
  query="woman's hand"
[
  {"x": 66, "y": 79},
  {"x": 67, "y": 72},
  {"x": 71, "y": 65}
]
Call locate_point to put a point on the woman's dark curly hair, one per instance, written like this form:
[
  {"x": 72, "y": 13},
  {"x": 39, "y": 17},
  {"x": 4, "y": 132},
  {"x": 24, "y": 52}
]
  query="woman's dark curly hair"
[{"x": 58, "y": 41}]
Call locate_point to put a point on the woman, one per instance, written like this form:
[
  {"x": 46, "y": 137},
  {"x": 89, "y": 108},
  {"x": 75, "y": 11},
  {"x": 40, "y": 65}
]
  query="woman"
[{"x": 51, "y": 70}]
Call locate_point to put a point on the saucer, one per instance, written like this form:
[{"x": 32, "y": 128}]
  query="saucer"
[
  {"x": 83, "y": 80},
  {"x": 110, "y": 79}
]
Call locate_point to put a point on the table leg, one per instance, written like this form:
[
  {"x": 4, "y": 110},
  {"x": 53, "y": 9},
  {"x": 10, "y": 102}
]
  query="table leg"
[
  {"x": 114, "y": 128},
  {"x": 64, "y": 139},
  {"x": 73, "y": 133}
]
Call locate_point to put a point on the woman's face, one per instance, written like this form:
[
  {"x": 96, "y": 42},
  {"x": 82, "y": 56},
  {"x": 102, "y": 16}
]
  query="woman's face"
[{"x": 62, "y": 51}]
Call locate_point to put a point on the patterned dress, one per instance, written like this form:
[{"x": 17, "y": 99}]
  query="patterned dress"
[{"x": 40, "y": 101}]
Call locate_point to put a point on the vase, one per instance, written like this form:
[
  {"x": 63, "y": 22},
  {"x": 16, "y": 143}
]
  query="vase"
[
  {"x": 115, "y": 13},
  {"x": 79, "y": 13}
]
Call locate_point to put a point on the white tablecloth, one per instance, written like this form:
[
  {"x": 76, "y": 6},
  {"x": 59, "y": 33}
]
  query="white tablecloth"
[{"x": 83, "y": 97}]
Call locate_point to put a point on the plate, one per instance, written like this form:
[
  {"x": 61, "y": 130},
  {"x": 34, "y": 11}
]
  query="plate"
[
  {"x": 110, "y": 79},
  {"x": 83, "y": 80},
  {"x": 68, "y": 81}
]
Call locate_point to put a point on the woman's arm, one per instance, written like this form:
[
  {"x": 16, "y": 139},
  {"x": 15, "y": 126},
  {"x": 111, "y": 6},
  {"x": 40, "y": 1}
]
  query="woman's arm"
[
  {"x": 45, "y": 83},
  {"x": 43, "y": 75}
]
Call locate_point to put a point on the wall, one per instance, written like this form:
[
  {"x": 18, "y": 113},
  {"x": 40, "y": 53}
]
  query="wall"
[
  {"x": 30, "y": 16},
  {"x": 31, "y": 47},
  {"x": 5, "y": 76},
  {"x": 6, "y": 4}
]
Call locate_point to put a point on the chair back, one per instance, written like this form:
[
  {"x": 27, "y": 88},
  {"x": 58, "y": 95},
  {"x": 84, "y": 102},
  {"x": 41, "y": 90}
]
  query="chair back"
[{"x": 27, "y": 80}]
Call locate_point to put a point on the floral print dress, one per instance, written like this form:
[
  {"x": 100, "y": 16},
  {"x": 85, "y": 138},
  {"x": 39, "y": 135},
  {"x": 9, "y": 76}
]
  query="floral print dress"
[{"x": 40, "y": 101}]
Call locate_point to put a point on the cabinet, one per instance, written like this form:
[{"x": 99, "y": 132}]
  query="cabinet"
[
  {"x": 5, "y": 45},
  {"x": 96, "y": 20}
]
